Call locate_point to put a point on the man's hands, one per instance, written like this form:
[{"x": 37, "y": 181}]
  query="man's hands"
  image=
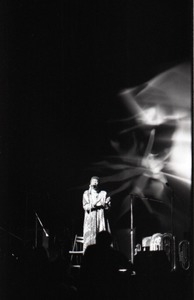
[{"x": 105, "y": 205}]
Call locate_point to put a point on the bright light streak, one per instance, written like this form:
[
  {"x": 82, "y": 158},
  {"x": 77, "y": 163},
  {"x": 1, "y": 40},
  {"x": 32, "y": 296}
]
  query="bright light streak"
[
  {"x": 180, "y": 156},
  {"x": 187, "y": 181}
]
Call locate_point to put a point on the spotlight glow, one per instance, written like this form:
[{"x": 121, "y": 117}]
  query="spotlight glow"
[
  {"x": 180, "y": 158},
  {"x": 153, "y": 146},
  {"x": 153, "y": 116}
]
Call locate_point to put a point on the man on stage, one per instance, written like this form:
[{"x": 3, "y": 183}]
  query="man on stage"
[{"x": 95, "y": 202}]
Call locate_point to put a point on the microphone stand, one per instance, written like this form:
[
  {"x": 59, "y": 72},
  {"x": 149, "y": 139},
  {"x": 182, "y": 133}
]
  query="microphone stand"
[
  {"x": 132, "y": 229},
  {"x": 172, "y": 230},
  {"x": 172, "y": 226},
  {"x": 37, "y": 219},
  {"x": 11, "y": 234}
]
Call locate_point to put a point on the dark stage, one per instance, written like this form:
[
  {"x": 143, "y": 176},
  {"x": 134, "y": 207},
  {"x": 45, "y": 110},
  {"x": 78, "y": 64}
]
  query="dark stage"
[{"x": 95, "y": 88}]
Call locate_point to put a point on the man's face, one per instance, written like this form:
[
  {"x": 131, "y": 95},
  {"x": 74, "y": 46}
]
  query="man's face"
[{"x": 94, "y": 182}]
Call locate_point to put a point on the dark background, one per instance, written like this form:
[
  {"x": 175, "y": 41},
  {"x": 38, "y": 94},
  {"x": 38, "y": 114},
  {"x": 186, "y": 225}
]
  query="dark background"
[{"x": 62, "y": 65}]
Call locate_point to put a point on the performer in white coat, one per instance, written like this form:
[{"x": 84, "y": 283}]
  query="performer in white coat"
[{"x": 95, "y": 202}]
